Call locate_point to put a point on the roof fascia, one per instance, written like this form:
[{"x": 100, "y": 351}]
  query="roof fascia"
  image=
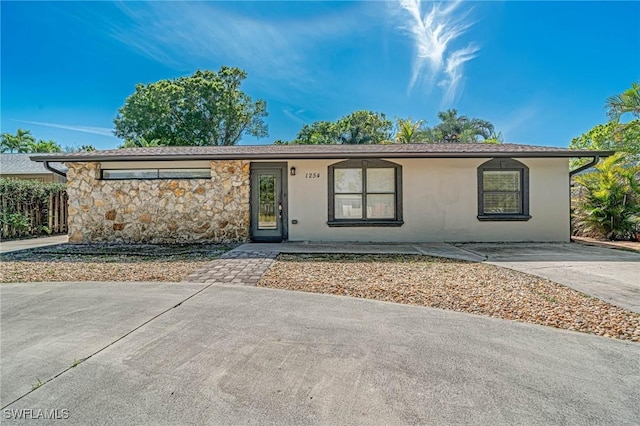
[{"x": 321, "y": 156}]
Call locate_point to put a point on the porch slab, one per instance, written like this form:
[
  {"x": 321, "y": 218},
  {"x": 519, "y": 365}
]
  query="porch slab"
[{"x": 427, "y": 249}]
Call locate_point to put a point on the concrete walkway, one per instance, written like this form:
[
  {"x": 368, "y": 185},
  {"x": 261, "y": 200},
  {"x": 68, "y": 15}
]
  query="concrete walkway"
[
  {"x": 152, "y": 353},
  {"x": 29, "y": 243}
]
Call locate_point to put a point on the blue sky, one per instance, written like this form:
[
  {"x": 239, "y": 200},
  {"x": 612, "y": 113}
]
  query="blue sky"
[{"x": 540, "y": 71}]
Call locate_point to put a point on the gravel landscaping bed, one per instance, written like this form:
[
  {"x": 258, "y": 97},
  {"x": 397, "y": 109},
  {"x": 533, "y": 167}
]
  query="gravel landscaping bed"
[
  {"x": 456, "y": 285},
  {"x": 107, "y": 262}
]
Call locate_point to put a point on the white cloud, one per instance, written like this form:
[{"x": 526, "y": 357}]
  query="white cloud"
[
  {"x": 434, "y": 61},
  {"x": 103, "y": 131}
]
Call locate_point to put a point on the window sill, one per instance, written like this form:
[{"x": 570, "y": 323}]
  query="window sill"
[
  {"x": 363, "y": 223},
  {"x": 503, "y": 218}
]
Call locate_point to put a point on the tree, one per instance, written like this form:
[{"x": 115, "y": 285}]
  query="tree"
[
  {"x": 207, "y": 108},
  {"x": 20, "y": 142},
  {"x": 44, "y": 146},
  {"x": 455, "y": 129},
  {"x": 359, "y": 127},
  {"x": 317, "y": 133},
  {"x": 140, "y": 143},
  {"x": 626, "y": 102},
  {"x": 610, "y": 136},
  {"x": 364, "y": 127},
  {"x": 410, "y": 131},
  {"x": 81, "y": 148}
]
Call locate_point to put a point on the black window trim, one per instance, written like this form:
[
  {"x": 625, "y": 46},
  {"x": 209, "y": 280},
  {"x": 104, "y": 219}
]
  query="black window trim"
[
  {"x": 157, "y": 173},
  {"x": 504, "y": 164},
  {"x": 364, "y": 222}
]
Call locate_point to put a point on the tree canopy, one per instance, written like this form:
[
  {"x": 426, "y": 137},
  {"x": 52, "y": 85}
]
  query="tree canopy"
[
  {"x": 207, "y": 108},
  {"x": 410, "y": 131},
  {"x": 614, "y": 135},
  {"x": 368, "y": 127},
  {"x": 24, "y": 142},
  {"x": 81, "y": 148},
  {"x": 454, "y": 128},
  {"x": 359, "y": 127},
  {"x": 627, "y": 102}
]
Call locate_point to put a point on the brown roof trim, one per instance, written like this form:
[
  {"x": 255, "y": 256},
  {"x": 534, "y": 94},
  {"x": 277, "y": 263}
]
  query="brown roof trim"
[{"x": 296, "y": 152}]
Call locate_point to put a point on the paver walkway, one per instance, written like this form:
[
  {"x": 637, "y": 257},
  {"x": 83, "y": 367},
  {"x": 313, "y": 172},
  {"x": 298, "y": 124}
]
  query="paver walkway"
[
  {"x": 243, "y": 265},
  {"x": 246, "y": 264}
]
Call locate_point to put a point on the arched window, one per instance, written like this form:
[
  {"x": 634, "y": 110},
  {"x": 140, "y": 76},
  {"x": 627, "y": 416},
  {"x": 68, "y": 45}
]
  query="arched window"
[
  {"x": 503, "y": 190},
  {"x": 365, "y": 193}
]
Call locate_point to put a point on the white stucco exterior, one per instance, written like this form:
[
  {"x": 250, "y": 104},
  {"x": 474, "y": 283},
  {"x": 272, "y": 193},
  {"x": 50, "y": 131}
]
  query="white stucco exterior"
[
  {"x": 440, "y": 204},
  {"x": 439, "y": 200}
]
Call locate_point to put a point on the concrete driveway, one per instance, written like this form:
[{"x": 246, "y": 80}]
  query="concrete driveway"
[
  {"x": 188, "y": 354},
  {"x": 611, "y": 275}
]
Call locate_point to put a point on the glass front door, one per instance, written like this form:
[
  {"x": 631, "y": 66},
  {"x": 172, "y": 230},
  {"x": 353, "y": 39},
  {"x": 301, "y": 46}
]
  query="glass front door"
[{"x": 268, "y": 202}]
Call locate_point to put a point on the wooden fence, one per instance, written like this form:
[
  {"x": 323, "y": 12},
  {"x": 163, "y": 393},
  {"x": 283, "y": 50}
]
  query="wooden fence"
[{"x": 35, "y": 217}]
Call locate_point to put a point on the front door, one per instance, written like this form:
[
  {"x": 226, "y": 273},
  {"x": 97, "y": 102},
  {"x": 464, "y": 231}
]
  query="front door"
[{"x": 268, "y": 202}]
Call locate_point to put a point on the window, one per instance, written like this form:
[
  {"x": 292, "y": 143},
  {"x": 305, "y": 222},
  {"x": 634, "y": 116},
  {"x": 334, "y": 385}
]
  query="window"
[
  {"x": 503, "y": 190},
  {"x": 156, "y": 174},
  {"x": 365, "y": 193}
]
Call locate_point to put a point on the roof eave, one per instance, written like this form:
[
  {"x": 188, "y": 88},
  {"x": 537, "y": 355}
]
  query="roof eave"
[{"x": 320, "y": 155}]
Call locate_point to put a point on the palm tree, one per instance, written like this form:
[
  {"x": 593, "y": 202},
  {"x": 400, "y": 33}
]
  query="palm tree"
[
  {"x": 611, "y": 204},
  {"x": 626, "y": 102},
  {"x": 454, "y": 128},
  {"x": 20, "y": 142},
  {"x": 44, "y": 146},
  {"x": 409, "y": 131}
]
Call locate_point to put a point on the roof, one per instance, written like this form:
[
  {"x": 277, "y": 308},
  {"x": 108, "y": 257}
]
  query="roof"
[
  {"x": 21, "y": 164},
  {"x": 289, "y": 152}
]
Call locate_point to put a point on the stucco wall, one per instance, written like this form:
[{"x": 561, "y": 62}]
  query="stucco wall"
[
  {"x": 440, "y": 204},
  {"x": 162, "y": 210}
]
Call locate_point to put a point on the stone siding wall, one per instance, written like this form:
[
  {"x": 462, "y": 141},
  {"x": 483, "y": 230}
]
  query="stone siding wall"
[{"x": 159, "y": 211}]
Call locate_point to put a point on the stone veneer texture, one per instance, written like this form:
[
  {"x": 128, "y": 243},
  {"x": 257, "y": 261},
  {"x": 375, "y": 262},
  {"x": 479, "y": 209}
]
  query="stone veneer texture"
[{"x": 159, "y": 211}]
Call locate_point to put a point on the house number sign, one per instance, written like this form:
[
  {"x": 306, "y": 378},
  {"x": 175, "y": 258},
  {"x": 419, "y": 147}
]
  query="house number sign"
[{"x": 312, "y": 175}]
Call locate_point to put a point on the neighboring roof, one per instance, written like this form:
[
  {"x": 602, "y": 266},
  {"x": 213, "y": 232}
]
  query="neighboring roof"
[
  {"x": 21, "y": 164},
  {"x": 289, "y": 152}
]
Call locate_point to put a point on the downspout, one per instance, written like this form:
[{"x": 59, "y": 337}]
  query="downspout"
[
  {"x": 591, "y": 163},
  {"x": 51, "y": 169}
]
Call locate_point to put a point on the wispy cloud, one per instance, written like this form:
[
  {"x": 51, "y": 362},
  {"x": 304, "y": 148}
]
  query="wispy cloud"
[
  {"x": 433, "y": 32},
  {"x": 294, "y": 115},
  {"x": 186, "y": 35},
  {"x": 512, "y": 124},
  {"x": 103, "y": 131}
]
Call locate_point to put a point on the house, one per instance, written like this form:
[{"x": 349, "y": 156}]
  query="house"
[
  {"x": 384, "y": 193},
  {"x": 20, "y": 166}
]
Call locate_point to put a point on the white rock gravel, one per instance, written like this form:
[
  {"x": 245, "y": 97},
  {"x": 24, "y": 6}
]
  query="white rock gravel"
[{"x": 456, "y": 285}]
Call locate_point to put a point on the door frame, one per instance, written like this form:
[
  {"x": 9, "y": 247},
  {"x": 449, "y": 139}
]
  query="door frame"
[{"x": 284, "y": 190}]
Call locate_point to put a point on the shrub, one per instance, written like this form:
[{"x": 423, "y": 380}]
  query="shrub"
[{"x": 610, "y": 205}]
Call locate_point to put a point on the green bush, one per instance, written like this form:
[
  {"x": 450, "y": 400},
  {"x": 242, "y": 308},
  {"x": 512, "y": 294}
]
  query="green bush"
[{"x": 610, "y": 206}]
